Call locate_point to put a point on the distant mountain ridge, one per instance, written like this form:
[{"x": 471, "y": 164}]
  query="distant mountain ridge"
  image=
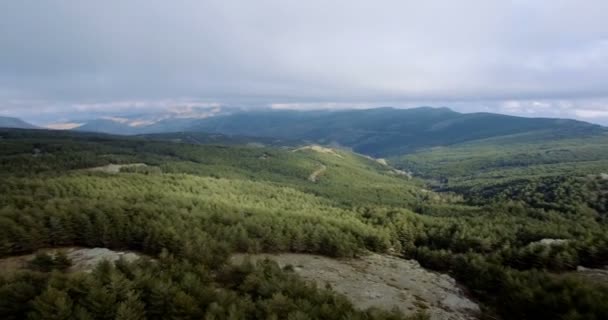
[
  {"x": 378, "y": 132},
  {"x": 10, "y": 122},
  {"x": 171, "y": 120},
  {"x": 387, "y": 131}
]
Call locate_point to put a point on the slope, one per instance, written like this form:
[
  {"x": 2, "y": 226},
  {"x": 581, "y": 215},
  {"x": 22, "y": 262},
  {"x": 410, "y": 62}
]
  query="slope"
[
  {"x": 9, "y": 122},
  {"x": 246, "y": 159},
  {"x": 378, "y": 132},
  {"x": 192, "y": 206},
  {"x": 550, "y": 174},
  {"x": 388, "y": 131}
]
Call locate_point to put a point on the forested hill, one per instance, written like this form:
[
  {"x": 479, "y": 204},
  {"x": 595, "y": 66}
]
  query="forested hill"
[
  {"x": 545, "y": 173},
  {"x": 191, "y": 206},
  {"x": 28, "y": 152},
  {"x": 387, "y": 131},
  {"x": 379, "y": 132}
]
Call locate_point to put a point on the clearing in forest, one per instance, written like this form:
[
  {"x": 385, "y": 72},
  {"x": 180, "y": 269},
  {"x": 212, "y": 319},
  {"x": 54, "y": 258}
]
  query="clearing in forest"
[
  {"x": 382, "y": 281},
  {"x": 320, "y": 149},
  {"x": 83, "y": 259},
  {"x": 115, "y": 168}
]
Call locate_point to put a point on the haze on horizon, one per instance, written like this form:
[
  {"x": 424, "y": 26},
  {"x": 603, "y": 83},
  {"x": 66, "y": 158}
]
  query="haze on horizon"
[{"x": 61, "y": 59}]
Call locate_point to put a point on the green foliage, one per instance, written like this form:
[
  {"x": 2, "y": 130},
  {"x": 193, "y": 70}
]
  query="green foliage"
[
  {"x": 61, "y": 260},
  {"x": 508, "y": 159},
  {"x": 52, "y": 304},
  {"x": 177, "y": 289},
  {"x": 25, "y": 153},
  {"x": 42, "y": 262},
  {"x": 192, "y": 206},
  {"x": 45, "y": 262}
]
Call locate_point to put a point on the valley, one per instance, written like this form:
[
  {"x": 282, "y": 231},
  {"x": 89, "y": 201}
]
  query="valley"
[
  {"x": 455, "y": 231},
  {"x": 303, "y": 160}
]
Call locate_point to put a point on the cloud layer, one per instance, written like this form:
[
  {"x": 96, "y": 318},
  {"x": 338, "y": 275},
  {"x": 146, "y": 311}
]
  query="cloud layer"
[{"x": 521, "y": 57}]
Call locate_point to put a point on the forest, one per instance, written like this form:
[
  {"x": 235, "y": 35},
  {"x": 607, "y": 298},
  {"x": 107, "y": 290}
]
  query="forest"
[{"x": 190, "y": 206}]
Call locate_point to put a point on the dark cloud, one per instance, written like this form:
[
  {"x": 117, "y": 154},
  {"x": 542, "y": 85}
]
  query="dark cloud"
[{"x": 56, "y": 55}]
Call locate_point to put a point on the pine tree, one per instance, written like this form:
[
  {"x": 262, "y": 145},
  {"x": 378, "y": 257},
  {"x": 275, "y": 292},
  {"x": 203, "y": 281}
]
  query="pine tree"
[
  {"x": 61, "y": 260},
  {"x": 81, "y": 313},
  {"x": 184, "y": 306},
  {"x": 100, "y": 303},
  {"x": 131, "y": 308},
  {"x": 52, "y": 304},
  {"x": 15, "y": 298},
  {"x": 42, "y": 262}
]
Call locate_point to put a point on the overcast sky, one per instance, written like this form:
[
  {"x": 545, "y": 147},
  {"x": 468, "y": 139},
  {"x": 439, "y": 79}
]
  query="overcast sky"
[{"x": 522, "y": 57}]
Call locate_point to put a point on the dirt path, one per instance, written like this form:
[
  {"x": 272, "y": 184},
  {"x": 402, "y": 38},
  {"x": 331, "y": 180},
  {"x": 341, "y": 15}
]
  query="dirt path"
[
  {"x": 383, "y": 281},
  {"x": 313, "y": 176}
]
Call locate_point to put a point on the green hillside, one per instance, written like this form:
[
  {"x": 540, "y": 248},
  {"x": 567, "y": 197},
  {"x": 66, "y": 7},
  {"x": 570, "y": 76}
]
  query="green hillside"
[
  {"x": 389, "y": 132},
  {"x": 379, "y": 132},
  {"x": 48, "y": 152},
  {"x": 509, "y": 158},
  {"x": 518, "y": 167},
  {"x": 190, "y": 206}
]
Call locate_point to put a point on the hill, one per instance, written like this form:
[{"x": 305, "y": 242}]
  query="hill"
[
  {"x": 9, "y": 122},
  {"x": 542, "y": 172},
  {"x": 212, "y": 155},
  {"x": 378, "y": 132},
  {"x": 107, "y": 126},
  {"x": 174, "y": 119},
  {"x": 217, "y": 138},
  {"x": 190, "y": 207},
  {"x": 386, "y": 131}
]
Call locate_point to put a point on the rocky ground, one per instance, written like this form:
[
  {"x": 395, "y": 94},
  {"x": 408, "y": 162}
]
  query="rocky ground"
[
  {"x": 83, "y": 259},
  {"x": 373, "y": 280},
  {"x": 382, "y": 281},
  {"x": 596, "y": 275}
]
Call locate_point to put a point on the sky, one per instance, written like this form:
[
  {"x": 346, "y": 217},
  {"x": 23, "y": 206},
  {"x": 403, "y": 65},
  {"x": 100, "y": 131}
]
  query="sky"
[{"x": 61, "y": 59}]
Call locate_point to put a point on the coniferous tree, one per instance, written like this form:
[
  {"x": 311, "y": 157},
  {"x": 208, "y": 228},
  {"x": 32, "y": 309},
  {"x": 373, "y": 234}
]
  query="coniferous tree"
[
  {"x": 42, "y": 262},
  {"x": 52, "y": 304},
  {"x": 61, "y": 261},
  {"x": 131, "y": 308}
]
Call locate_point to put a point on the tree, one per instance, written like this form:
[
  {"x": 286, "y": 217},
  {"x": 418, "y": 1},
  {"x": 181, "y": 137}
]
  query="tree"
[
  {"x": 62, "y": 261},
  {"x": 101, "y": 303},
  {"x": 131, "y": 308},
  {"x": 52, "y": 304},
  {"x": 42, "y": 262}
]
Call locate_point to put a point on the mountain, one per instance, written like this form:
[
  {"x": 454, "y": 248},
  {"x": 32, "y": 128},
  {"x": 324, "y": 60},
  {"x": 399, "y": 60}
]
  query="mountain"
[
  {"x": 388, "y": 131},
  {"x": 203, "y": 138},
  {"x": 174, "y": 119},
  {"x": 379, "y": 132},
  {"x": 9, "y": 122},
  {"x": 189, "y": 210},
  {"x": 283, "y": 163},
  {"x": 107, "y": 126}
]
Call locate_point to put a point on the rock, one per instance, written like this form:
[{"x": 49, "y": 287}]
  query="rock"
[
  {"x": 550, "y": 242},
  {"x": 383, "y": 281}
]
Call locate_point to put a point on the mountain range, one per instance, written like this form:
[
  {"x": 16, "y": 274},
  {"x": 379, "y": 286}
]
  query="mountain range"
[
  {"x": 380, "y": 132},
  {"x": 9, "y": 122},
  {"x": 388, "y": 131}
]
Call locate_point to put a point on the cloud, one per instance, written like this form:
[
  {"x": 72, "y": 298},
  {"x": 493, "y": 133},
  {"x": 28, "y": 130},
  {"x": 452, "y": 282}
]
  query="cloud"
[
  {"x": 63, "y": 125},
  {"x": 591, "y": 114},
  {"x": 70, "y": 54}
]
